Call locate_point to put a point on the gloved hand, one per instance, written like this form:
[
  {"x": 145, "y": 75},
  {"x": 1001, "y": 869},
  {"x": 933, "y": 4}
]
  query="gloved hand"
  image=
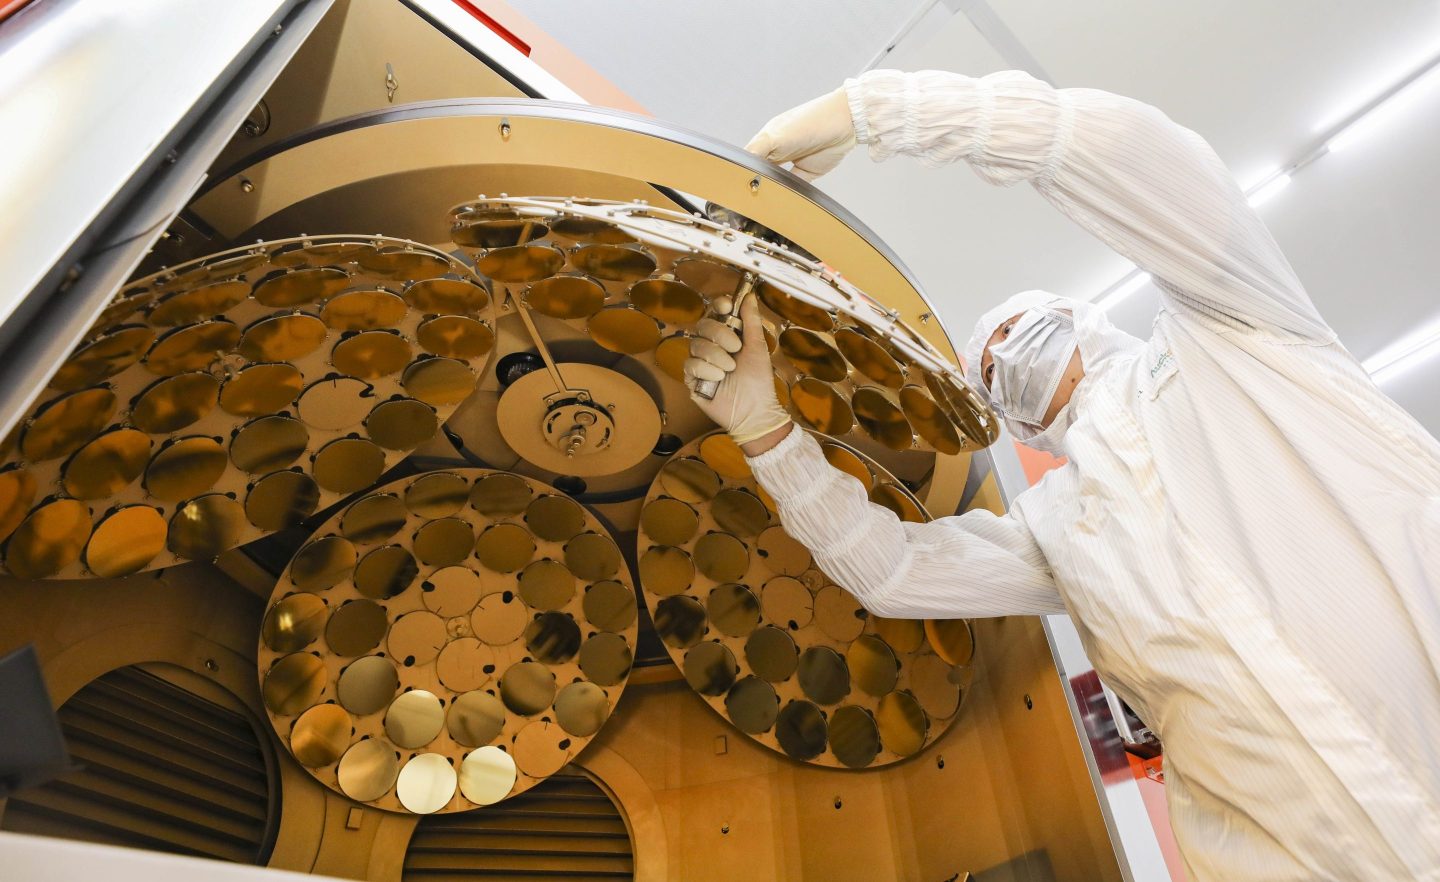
[
  {"x": 814, "y": 136},
  {"x": 745, "y": 404}
]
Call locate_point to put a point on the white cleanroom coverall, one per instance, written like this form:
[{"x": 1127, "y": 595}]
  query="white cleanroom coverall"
[{"x": 1247, "y": 533}]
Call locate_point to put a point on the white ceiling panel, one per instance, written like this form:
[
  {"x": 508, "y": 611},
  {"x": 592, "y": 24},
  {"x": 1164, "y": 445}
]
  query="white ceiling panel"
[
  {"x": 1259, "y": 80},
  {"x": 970, "y": 243},
  {"x": 722, "y": 68},
  {"x": 1362, "y": 229},
  {"x": 1416, "y": 391}
]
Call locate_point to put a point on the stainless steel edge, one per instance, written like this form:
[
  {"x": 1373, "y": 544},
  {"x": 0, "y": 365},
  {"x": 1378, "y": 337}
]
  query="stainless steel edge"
[
  {"x": 522, "y": 108},
  {"x": 52, "y": 317},
  {"x": 1132, "y": 836}
]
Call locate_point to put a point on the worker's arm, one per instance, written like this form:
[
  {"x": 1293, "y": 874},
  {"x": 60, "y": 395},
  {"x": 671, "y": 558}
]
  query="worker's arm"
[
  {"x": 1152, "y": 190},
  {"x": 972, "y": 565}
]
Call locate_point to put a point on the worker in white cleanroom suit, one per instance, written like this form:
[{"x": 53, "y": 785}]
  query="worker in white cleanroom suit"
[{"x": 1247, "y": 532}]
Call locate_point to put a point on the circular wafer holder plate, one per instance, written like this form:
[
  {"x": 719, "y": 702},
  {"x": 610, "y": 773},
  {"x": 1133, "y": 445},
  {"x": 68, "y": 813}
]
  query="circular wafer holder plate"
[
  {"x": 236, "y": 395},
  {"x": 768, "y": 640},
  {"x": 444, "y": 632}
]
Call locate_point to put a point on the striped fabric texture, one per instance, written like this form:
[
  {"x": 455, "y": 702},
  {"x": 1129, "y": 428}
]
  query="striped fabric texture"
[{"x": 1247, "y": 534}]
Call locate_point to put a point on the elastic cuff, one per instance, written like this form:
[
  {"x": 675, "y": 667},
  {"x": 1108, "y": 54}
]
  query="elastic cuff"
[
  {"x": 985, "y": 102},
  {"x": 858, "y": 118},
  {"x": 781, "y": 419},
  {"x": 793, "y": 468},
  {"x": 1064, "y": 133}
]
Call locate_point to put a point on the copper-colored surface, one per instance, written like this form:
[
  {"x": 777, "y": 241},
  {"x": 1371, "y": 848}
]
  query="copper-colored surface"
[
  {"x": 669, "y": 521},
  {"x": 670, "y": 355},
  {"x": 236, "y": 368},
  {"x": 175, "y": 402},
  {"x": 103, "y": 467},
  {"x": 435, "y": 643},
  {"x": 668, "y": 300},
  {"x": 820, "y": 407},
  {"x": 929, "y": 420},
  {"x": 813, "y": 354},
  {"x": 869, "y": 358},
  {"x": 520, "y": 263},
  {"x": 443, "y": 542},
  {"x": 710, "y": 668},
  {"x": 881, "y": 418},
  {"x": 283, "y": 337},
  {"x": 437, "y": 495},
  {"x": 268, "y": 443},
  {"x": 368, "y": 769},
  {"x": 356, "y": 627},
  {"x": 781, "y": 553},
  {"x": 456, "y": 336},
  {"x": 294, "y": 622},
  {"x": 206, "y": 526},
  {"x": 125, "y": 541},
  {"x": 766, "y": 639},
  {"x": 321, "y": 735},
  {"x": 281, "y": 500},
  {"x": 385, "y": 572},
  {"x": 347, "y": 465},
  {"x": 367, "y": 684},
  {"x": 622, "y": 329},
  {"x": 363, "y": 310},
  {"x": 261, "y": 389},
  {"x": 721, "y": 453},
  {"x": 370, "y": 355},
  {"x": 566, "y": 296},
  {"x": 414, "y": 718},
  {"x": 793, "y": 310},
  {"x": 61, "y": 426},
  {"x": 292, "y": 683},
  {"x": 615, "y": 263}
]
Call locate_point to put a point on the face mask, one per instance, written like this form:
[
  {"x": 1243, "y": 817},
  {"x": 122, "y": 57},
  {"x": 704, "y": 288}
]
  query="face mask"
[
  {"x": 1029, "y": 365},
  {"x": 1052, "y": 440}
]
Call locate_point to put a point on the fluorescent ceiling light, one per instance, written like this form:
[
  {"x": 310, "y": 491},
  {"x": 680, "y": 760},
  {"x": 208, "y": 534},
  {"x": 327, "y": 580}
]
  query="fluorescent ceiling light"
[
  {"x": 1123, "y": 289},
  {"x": 1383, "y": 113},
  {"x": 1403, "y": 355},
  {"x": 1266, "y": 191}
]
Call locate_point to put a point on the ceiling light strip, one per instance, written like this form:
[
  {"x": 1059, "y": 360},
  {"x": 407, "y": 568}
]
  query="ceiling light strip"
[{"x": 1271, "y": 184}]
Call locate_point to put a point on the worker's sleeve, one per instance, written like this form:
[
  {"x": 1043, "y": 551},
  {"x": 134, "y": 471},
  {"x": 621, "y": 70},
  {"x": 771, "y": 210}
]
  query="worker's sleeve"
[
  {"x": 968, "y": 566},
  {"x": 1150, "y": 189}
]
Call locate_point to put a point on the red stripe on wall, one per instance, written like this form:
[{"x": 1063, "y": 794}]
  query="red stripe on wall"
[
  {"x": 9, "y": 7},
  {"x": 505, "y": 34}
]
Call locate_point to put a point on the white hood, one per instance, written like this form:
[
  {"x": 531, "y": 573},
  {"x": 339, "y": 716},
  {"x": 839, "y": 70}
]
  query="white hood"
[{"x": 1099, "y": 341}]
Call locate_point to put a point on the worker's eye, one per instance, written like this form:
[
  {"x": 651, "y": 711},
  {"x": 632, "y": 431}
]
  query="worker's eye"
[
  {"x": 989, "y": 373},
  {"x": 1006, "y": 330}
]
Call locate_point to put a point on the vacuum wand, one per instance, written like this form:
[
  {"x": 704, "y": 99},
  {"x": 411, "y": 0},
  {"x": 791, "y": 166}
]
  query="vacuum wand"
[{"x": 726, "y": 310}]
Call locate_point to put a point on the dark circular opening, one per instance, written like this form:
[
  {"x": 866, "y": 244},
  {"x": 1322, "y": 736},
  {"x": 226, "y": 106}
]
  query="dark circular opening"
[
  {"x": 667, "y": 444},
  {"x": 516, "y": 365}
]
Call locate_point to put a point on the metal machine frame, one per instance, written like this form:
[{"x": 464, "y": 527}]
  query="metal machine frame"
[{"x": 65, "y": 289}]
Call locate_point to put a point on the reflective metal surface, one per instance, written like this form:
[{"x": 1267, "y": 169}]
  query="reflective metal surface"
[
  {"x": 767, "y": 639},
  {"x": 447, "y": 612},
  {"x": 303, "y": 355}
]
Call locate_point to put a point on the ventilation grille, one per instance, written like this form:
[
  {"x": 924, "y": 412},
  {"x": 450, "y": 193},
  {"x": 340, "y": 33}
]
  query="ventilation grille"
[
  {"x": 565, "y": 828},
  {"x": 161, "y": 769}
]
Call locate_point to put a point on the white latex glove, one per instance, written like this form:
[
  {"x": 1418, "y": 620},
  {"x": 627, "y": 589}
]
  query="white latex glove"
[
  {"x": 745, "y": 404},
  {"x": 814, "y": 136}
]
